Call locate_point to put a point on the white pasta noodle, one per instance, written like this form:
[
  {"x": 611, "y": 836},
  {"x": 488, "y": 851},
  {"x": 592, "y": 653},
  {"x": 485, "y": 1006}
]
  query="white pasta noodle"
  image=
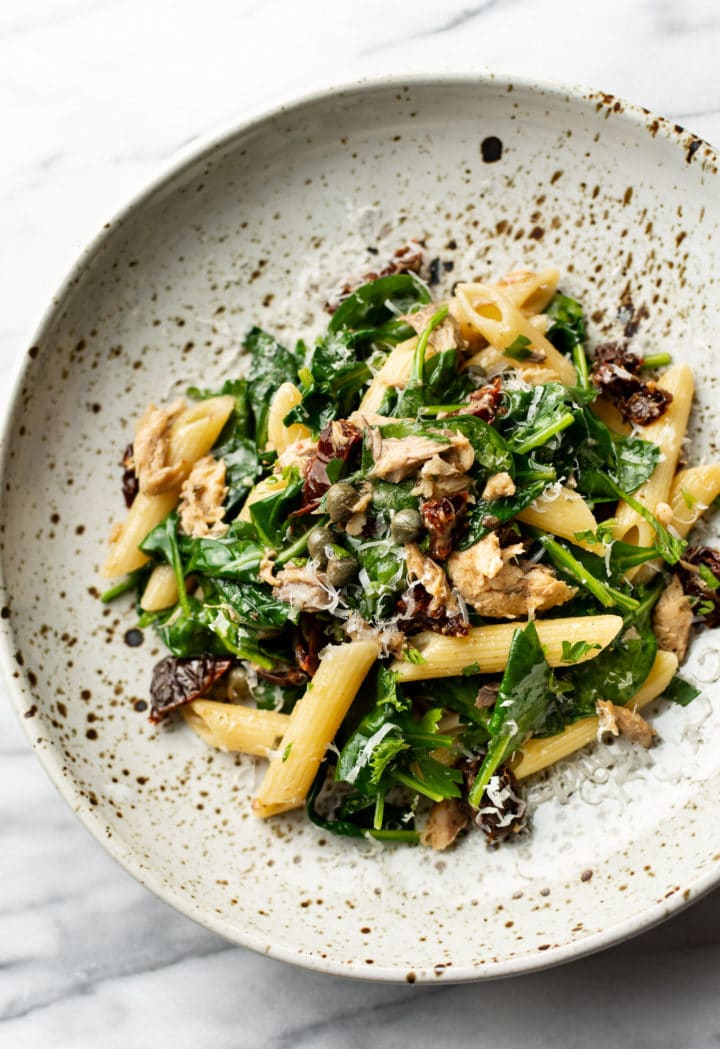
[
  {"x": 280, "y": 436},
  {"x": 537, "y": 754},
  {"x": 487, "y": 647},
  {"x": 501, "y": 323},
  {"x": 565, "y": 514},
  {"x": 161, "y": 590},
  {"x": 192, "y": 435},
  {"x": 236, "y": 728},
  {"x": 668, "y": 432},
  {"x": 312, "y": 726},
  {"x": 693, "y": 491}
]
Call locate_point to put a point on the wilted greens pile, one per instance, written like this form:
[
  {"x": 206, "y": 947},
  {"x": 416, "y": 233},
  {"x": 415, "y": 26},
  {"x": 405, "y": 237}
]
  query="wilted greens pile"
[{"x": 358, "y": 537}]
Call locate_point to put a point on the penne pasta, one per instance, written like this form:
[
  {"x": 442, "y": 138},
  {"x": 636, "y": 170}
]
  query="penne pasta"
[
  {"x": 529, "y": 290},
  {"x": 488, "y": 646},
  {"x": 312, "y": 726},
  {"x": 565, "y": 514},
  {"x": 394, "y": 372},
  {"x": 494, "y": 317},
  {"x": 668, "y": 433},
  {"x": 161, "y": 590},
  {"x": 538, "y": 754},
  {"x": 192, "y": 435},
  {"x": 692, "y": 492},
  {"x": 279, "y": 435},
  {"x": 235, "y": 728},
  {"x": 146, "y": 512}
]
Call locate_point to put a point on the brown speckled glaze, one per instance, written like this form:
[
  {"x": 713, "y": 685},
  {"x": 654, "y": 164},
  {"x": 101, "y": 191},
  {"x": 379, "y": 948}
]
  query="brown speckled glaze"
[{"x": 628, "y": 207}]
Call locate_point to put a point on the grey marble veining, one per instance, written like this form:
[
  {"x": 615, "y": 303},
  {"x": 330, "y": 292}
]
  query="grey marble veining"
[{"x": 97, "y": 94}]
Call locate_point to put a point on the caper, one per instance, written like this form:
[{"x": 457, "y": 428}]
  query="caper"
[
  {"x": 341, "y": 570},
  {"x": 339, "y": 501},
  {"x": 318, "y": 540},
  {"x": 406, "y": 526}
]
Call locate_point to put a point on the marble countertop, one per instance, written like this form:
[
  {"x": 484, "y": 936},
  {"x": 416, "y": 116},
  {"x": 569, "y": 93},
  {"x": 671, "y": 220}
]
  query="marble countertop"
[{"x": 98, "y": 93}]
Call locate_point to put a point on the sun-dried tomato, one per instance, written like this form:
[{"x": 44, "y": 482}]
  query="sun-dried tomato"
[
  {"x": 646, "y": 405},
  {"x": 177, "y": 681},
  {"x": 414, "y": 609},
  {"x": 309, "y": 641},
  {"x": 615, "y": 373},
  {"x": 130, "y": 484},
  {"x": 442, "y": 519},
  {"x": 707, "y": 599}
]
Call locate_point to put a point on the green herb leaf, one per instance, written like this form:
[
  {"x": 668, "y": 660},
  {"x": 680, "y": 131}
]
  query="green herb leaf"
[
  {"x": 525, "y": 701},
  {"x": 711, "y": 581},
  {"x": 681, "y": 691},
  {"x": 380, "y": 301},
  {"x": 270, "y": 366},
  {"x": 572, "y": 652},
  {"x": 570, "y": 565},
  {"x": 270, "y": 515},
  {"x": 518, "y": 350},
  {"x": 568, "y": 323},
  {"x": 163, "y": 543}
]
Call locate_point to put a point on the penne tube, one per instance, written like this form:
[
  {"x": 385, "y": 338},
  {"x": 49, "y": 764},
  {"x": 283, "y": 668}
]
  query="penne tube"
[
  {"x": 146, "y": 512},
  {"x": 668, "y": 432},
  {"x": 565, "y": 515},
  {"x": 312, "y": 726},
  {"x": 235, "y": 728},
  {"x": 161, "y": 590},
  {"x": 494, "y": 317},
  {"x": 531, "y": 291},
  {"x": 538, "y": 754},
  {"x": 394, "y": 372},
  {"x": 279, "y": 435},
  {"x": 196, "y": 429},
  {"x": 488, "y": 646},
  {"x": 192, "y": 435},
  {"x": 491, "y": 362},
  {"x": 692, "y": 492}
]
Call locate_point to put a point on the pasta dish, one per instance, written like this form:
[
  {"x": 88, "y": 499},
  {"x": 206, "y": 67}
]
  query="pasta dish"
[{"x": 424, "y": 558}]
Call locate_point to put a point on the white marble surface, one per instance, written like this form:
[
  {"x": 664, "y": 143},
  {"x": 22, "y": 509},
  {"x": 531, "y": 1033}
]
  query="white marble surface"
[{"x": 96, "y": 95}]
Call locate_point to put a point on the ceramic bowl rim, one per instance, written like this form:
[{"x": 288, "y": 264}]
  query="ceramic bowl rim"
[{"x": 51, "y": 759}]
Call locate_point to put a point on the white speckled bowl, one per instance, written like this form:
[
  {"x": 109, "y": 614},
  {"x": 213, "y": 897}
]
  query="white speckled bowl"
[{"x": 255, "y": 226}]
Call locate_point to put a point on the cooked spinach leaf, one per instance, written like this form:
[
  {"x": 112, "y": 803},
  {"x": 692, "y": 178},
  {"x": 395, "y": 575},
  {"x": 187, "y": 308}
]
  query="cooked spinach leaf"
[
  {"x": 525, "y": 702},
  {"x": 163, "y": 542},
  {"x": 486, "y": 515},
  {"x": 270, "y": 515},
  {"x": 379, "y": 302},
  {"x": 568, "y": 323},
  {"x": 271, "y": 364},
  {"x": 681, "y": 691},
  {"x": 331, "y": 380}
]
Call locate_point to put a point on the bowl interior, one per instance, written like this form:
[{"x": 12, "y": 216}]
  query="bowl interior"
[{"x": 257, "y": 229}]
